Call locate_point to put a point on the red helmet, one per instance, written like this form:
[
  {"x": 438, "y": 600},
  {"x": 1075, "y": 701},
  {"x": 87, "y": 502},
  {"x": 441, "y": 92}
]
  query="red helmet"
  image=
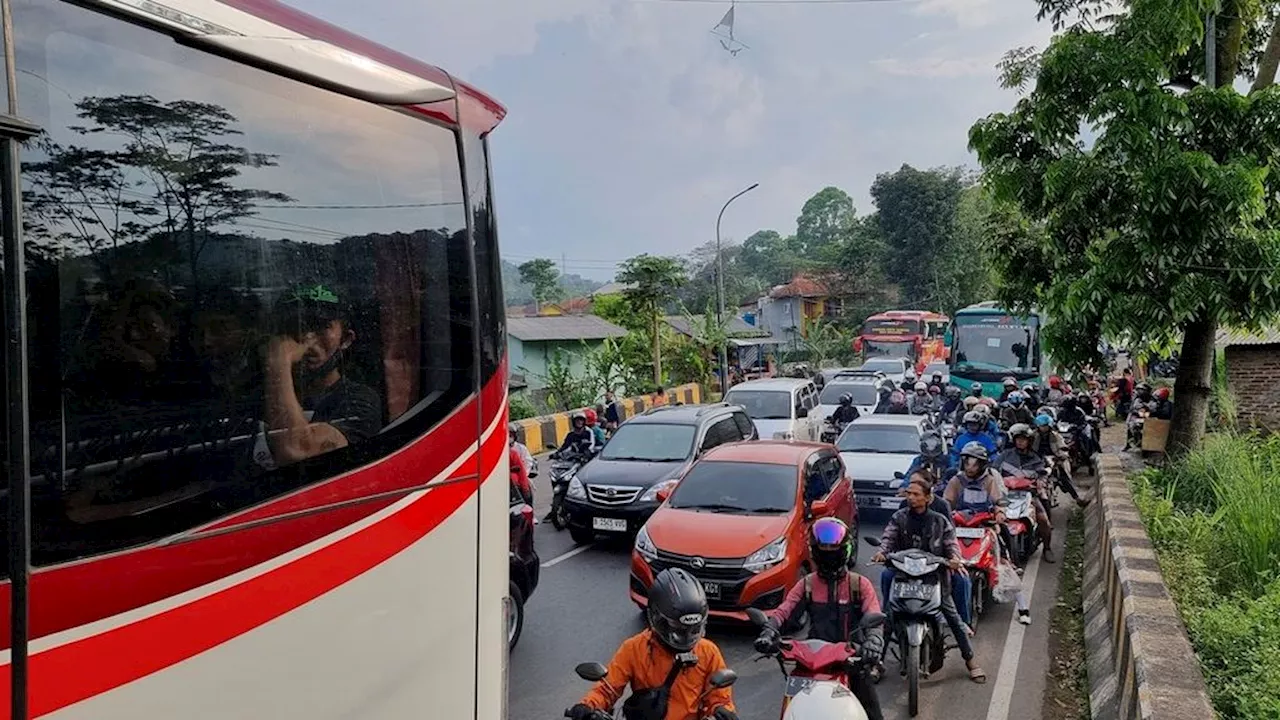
[
  {"x": 1162, "y": 393},
  {"x": 591, "y": 416},
  {"x": 1054, "y": 381}
]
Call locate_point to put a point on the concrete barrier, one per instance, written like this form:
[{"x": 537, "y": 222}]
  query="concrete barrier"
[
  {"x": 536, "y": 433},
  {"x": 1141, "y": 665}
]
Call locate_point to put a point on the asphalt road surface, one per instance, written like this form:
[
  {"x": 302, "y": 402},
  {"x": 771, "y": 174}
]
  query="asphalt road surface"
[{"x": 581, "y": 612}]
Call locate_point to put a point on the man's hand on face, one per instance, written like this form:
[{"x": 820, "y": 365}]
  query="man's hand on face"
[{"x": 286, "y": 351}]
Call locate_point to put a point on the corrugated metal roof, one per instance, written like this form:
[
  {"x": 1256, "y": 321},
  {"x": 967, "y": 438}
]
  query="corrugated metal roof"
[
  {"x": 1231, "y": 336},
  {"x": 734, "y": 326},
  {"x": 562, "y": 327}
]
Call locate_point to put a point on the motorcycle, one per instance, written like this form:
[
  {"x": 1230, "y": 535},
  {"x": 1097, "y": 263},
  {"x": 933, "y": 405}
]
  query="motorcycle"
[
  {"x": 563, "y": 469},
  {"x": 1076, "y": 452},
  {"x": 979, "y": 551},
  {"x": 595, "y": 672},
  {"x": 1020, "y": 517},
  {"x": 915, "y": 612},
  {"x": 817, "y": 685},
  {"x": 832, "y": 429},
  {"x": 1135, "y": 426}
]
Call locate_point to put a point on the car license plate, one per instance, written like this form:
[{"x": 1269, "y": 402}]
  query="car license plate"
[
  {"x": 797, "y": 685},
  {"x": 970, "y": 533},
  {"x": 910, "y": 590},
  {"x": 890, "y": 503},
  {"x": 711, "y": 589},
  {"x": 609, "y": 524}
]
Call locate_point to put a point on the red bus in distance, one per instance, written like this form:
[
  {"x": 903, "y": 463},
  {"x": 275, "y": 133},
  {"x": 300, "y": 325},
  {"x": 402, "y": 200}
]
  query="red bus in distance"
[{"x": 915, "y": 334}]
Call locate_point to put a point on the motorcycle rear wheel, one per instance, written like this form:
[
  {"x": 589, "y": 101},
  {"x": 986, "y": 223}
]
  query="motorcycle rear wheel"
[
  {"x": 559, "y": 515},
  {"x": 914, "y": 663}
]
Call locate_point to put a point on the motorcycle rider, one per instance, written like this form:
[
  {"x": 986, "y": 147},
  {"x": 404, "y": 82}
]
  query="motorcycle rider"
[
  {"x": 951, "y": 401},
  {"x": 1054, "y": 394},
  {"x": 897, "y": 403},
  {"x": 833, "y": 616},
  {"x": 845, "y": 413},
  {"x": 1021, "y": 460},
  {"x": 666, "y": 664},
  {"x": 936, "y": 382},
  {"x": 908, "y": 381},
  {"x": 1016, "y": 411},
  {"x": 1010, "y": 386},
  {"x": 931, "y": 455},
  {"x": 526, "y": 457},
  {"x": 884, "y": 389},
  {"x": 1142, "y": 401},
  {"x": 984, "y": 408},
  {"x": 918, "y": 527},
  {"x": 975, "y": 431},
  {"x": 1047, "y": 443},
  {"x": 579, "y": 440},
  {"x": 1032, "y": 394},
  {"x": 922, "y": 403},
  {"x": 1163, "y": 405},
  {"x": 1070, "y": 412},
  {"x": 976, "y": 389},
  {"x": 596, "y": 428},
  {"x": 961, "y": 585}
]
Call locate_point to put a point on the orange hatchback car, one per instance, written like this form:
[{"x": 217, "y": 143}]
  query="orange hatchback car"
[{"x": 737, "y": 521}]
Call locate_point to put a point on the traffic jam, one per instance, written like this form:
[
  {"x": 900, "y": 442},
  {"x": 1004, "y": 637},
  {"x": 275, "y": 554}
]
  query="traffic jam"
[{"x": 854, "y": 543}]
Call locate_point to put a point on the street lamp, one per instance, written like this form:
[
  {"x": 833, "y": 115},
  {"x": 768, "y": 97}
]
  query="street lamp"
[{"x": 724, "y": 345}]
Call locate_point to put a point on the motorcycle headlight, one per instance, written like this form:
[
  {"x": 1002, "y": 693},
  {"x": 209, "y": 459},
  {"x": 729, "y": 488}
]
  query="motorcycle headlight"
[
  {"x": 652, "y": 493},
  {"x": 576, "y": 490},
  {"x": 645, "y": 546},
  {"x": 767, "y": 556}
]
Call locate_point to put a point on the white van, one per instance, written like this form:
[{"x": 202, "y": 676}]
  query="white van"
[{"x": 781, "y": 408}]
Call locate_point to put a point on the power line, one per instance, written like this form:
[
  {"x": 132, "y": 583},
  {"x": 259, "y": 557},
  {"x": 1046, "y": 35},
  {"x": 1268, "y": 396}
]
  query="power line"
[{"x": 774, "y": 2}]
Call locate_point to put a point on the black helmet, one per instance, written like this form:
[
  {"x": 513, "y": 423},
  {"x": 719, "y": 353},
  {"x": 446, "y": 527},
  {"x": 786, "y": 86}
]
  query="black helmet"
[
  {"x": 931, "y": 445},
  {"x": 976, "y": 389},
  {"x": 677, "y": 609},
  {"x": 975, "y": 450},
  {"x": 846, "y": 399},
  {"x": 831, "y": 547}
]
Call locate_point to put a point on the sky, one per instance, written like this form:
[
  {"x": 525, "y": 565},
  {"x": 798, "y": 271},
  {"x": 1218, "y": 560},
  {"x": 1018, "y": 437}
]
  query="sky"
[{"x": 629, "y": 125}]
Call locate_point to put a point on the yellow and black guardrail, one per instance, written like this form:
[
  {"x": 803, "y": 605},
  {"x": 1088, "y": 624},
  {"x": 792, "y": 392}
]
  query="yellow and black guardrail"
[{"x": 538, "y": 432}]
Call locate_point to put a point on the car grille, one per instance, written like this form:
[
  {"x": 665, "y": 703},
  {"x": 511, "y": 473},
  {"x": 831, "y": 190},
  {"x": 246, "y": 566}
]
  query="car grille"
[
  {"x": 717, "y": 569},
  {"x": 613, "y": 494}
]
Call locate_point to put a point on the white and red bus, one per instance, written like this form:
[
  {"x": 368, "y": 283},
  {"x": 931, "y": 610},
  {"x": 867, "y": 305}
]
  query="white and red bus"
[
  {"x": 255, "y": 372},
  {"x": 914, "y": 334}
]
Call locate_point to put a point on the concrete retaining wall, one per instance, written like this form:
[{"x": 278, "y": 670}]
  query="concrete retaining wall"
[
  {"x": 536, "y": 433},
  {"x": 1140, "y": 661}
]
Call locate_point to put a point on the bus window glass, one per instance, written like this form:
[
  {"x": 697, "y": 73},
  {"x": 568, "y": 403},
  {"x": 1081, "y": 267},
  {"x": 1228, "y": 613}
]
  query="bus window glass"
[
  {"x": 995, "y": 343},
  {"x": 239, "y": 285}
]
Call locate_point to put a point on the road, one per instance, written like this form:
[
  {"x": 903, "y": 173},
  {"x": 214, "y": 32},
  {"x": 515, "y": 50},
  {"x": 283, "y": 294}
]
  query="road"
[{"x": 581, "y": 612}]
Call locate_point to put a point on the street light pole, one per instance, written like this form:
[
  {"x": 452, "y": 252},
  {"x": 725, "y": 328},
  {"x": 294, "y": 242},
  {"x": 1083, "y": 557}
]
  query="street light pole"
[{"x": 724, "y": 343}]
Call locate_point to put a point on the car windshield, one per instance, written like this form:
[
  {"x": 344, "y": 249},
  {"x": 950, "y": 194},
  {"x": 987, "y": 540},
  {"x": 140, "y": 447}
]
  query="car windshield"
[
  {"x": 762, "y": 404},
  {"x": 884, "y": 365},
  {"x": 651, "y": 442},
  {"x": 880, "y": 439},
  {"x": 888, "y": 349},
  {"x": 737, "y": 488},
  {"x": 939, "y": 368},
  {"x": 863, "y": 393}
]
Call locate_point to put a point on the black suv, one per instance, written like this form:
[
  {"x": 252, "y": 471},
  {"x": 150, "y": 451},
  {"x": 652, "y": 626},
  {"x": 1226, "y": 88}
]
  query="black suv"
[
  {"x": 617, "y": 491},
  {"x": 524, "y": 565}
]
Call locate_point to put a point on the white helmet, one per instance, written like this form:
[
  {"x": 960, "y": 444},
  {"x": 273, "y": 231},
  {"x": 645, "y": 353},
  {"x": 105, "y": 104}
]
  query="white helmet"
[{"x": 921, "y": 387}]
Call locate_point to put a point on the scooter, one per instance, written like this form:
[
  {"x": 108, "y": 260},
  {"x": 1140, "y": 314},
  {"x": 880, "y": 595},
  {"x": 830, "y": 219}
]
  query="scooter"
[
  {"x": 980, "y": 553},
  {"x": 563, "y": 470},
  {"x": 1020, "y": 517},
  {"x": 915, "y": 611},
  {"x": 595, "y": 672},
  {"x": 818, "y": 682}
]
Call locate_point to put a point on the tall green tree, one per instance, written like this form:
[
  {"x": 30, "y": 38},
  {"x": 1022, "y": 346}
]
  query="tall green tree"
[
  {"x": 541, "y": 274},
  {"x": 1165, "y": 226},
  {"x": 917, "y": 212},
  {"x": 823, "y": 224},
  {"x": 653, "y": 283}
]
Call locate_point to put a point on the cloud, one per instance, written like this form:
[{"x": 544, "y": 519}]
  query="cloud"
[{"x": 937, "y": 67}]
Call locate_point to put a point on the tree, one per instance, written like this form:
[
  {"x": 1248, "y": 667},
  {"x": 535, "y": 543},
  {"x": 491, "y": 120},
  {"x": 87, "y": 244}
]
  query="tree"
[
  {"x": 824, "y": 220},
  {"x": 1162, "y": 229},
  {"x": 964, "y": 268},
  {"x": 653, "y": 282},
  {"x": 180, "y": 149},
  {"x": 917, "y": 212},
  {"x": 542, "y": 275},
  {"x": 825, "y": 342}
]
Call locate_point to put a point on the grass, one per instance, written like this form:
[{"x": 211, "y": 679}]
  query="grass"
[
  {"x": 1067, "y": 693},
  {"x": 1214, "y": 519}
]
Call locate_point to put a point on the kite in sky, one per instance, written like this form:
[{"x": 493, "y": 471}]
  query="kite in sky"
[{"x": 724, "y": 31}]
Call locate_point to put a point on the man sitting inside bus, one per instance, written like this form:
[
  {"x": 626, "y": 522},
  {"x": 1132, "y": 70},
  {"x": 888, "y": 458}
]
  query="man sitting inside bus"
[{"x": 310, "y": 407}]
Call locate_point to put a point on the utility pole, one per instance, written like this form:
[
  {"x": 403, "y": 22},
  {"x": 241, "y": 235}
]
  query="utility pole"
[{"x": 724, "y": 342}]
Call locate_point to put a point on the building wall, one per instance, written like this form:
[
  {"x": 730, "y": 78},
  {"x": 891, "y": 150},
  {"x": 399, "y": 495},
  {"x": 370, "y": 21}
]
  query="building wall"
[
  {"x": 782, "y": 317},
  {"x": 530, "y": 358},
  {"x": 1253, "y": 373}
]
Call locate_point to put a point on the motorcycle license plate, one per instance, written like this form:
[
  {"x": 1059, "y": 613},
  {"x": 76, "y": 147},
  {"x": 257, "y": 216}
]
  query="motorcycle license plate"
[
  {"x": 890, "y": 503},
  {"x": 609, "y": 524},
  {"x": 797, "y": 685},
  {"x": 969, "y": 533},
  {"x": 910, "y": 590}
]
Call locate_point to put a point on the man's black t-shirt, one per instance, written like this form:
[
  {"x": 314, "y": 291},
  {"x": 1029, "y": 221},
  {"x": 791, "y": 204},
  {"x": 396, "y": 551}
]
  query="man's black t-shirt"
[{"x": 349, "y": 406}]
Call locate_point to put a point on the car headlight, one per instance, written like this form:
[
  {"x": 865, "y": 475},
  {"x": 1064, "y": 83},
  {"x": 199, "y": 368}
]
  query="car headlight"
[
  {"x": 645, "y": 546},
  {"x": 786, "y": 435},
  {"x": 576, "y": 490},
  {"x": 652, "y": 493},
  {"x": 767, "y": 556}
]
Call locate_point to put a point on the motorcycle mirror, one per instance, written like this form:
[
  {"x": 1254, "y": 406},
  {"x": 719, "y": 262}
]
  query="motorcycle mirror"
[
  {"x": 899, "y": 475},
  {"x": 873, "y": 542},
  {"x": 722, "y": 678},
  {"x": 757, "y": 617},
  {"x": 872, "y": 620},
  {"x": 591, "y": 671}
]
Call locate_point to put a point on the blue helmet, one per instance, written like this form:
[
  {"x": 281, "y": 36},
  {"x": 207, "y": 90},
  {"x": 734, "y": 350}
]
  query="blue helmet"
[
  {"x": 1043, "y": 420},
  {"x": 1015, "y": 398}
]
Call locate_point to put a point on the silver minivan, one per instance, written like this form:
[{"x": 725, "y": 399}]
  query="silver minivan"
[{"x": 781, "y": 408}]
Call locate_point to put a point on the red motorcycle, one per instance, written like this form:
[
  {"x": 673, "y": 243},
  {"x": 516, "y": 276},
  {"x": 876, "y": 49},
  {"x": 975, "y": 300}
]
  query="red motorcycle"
[
  {"x": 979, "y": 551},
  {"x": 1020, "y": 517}
]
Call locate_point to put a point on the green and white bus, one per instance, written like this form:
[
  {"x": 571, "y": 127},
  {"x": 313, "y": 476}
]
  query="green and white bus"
[{"x": 989, "y": 344}]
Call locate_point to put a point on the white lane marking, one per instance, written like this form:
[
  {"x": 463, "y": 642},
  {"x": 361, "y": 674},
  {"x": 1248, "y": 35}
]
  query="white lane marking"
[
  {"x": 572, "y": 553},
  {"x": 1002, "y": 693}
]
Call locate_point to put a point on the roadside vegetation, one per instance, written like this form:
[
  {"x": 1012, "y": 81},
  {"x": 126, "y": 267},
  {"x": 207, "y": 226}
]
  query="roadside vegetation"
[
  {"x": 1066, "y": 695},
  {"x": 1214, "y": 518}
]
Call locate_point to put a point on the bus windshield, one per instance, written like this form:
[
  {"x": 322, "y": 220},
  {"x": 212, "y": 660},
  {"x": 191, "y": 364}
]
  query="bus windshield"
[
  {"x": 995, "y": 343},
  {"x": 893, "y": 349}
]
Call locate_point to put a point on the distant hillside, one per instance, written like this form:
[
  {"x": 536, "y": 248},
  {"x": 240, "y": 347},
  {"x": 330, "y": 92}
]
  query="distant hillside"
[{"x": 517, "y": 293}]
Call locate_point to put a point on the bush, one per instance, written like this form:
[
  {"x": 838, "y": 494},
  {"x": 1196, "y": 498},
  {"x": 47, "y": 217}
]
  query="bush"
[
  {"x": 520, "y": 407},
  {"x": 1214, "y": 519}
]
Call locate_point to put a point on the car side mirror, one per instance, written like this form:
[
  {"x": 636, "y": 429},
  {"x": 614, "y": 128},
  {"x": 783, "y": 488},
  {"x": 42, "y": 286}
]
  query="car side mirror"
[
  {"x": 591, "y": 671},
  {"x": 802, "y": 412},
  {"x": 722, "y": 678},
  {"x": 819, "y": 508},
  {"x": 757, "y": 617},
  {"x": 899, "y": 475}
]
